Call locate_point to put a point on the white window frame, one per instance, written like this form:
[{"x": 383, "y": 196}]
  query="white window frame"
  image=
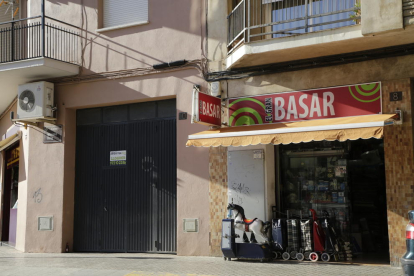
[{"x": 122, "y": 26}]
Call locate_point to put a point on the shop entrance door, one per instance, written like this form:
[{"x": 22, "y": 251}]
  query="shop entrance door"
[
  {"x": 345, "y": 183},
  {"x": 125, "y": 193}
]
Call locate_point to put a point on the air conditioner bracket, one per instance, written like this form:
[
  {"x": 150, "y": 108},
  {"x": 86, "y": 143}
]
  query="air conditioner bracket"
[{"x": 35, "y": 121}]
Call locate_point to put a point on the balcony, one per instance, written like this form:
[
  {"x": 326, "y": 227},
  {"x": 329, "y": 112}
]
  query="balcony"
[
  {"x": 33, "y": 49},
  {"x": 272, "y": 31}
]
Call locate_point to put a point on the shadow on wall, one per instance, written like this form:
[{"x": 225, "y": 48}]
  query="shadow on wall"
[
  {"x": 193, "y": 161},
  {"x": 182, "y": 16},
  {"x": 94, "y": 94}
]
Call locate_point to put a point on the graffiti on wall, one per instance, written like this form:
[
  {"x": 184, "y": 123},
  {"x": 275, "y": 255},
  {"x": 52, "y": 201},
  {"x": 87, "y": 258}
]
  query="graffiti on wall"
[{"x": 38, "y": 196}]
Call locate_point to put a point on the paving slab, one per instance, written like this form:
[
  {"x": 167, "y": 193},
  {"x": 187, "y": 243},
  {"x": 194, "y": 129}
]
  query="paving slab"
[{"x": 15, "y": 263}]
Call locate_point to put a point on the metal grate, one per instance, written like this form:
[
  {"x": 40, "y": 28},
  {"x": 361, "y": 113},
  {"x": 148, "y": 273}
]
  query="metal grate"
[
  {"x": 143, "y": 111},
  {"x": 167, "y": 109},
  {"x": 115, "y": 114},
  {"x": 130, "y": 112},
  {"x": 132, "y": 207},
  {"x": 29, "y": 38},
  {"x": 89, "y": 116}
]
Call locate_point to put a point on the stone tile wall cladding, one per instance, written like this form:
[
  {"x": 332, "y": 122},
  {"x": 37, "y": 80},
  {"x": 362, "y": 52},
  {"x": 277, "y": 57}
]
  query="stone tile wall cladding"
[
  {"x": 399, "y": 164},
  {"x": 218, "y": 196}
]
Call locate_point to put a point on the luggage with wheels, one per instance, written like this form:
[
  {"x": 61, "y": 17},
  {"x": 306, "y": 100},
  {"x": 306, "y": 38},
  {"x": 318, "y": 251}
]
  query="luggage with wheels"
[
  {"x": 331, "y": 241},
  {"x": 306, "y": 238},
  {"x": 318, "y": 238},
  {"x": 279, "y": 234},
  {"x": 293, "y": 231}
]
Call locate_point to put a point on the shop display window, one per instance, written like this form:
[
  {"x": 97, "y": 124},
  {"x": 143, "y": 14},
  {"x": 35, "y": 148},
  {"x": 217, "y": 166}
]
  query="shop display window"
[
  {"x": 344, "y": 181},
  {"x": 317, "y": 179}
]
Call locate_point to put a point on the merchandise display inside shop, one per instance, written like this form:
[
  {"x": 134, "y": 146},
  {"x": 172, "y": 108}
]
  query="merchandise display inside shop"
[{"x": 344, "y": 183}]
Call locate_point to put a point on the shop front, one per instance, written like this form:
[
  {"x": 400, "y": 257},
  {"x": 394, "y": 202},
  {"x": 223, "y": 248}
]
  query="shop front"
[{"x": 285, "y": 154}]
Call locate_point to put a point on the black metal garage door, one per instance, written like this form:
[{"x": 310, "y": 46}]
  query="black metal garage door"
[{"x": 126, "y": 207}]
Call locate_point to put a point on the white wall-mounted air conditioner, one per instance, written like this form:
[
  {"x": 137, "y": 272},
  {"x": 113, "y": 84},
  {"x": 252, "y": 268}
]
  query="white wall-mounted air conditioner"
[{"x": 35, "y": 101}]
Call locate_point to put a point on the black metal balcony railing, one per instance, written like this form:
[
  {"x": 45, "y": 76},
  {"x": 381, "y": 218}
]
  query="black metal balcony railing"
[
  {"x": 33, "y": 37},
  {"x": 253, "y": 20}
]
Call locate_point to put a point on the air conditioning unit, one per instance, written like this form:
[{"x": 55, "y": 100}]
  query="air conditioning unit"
[{"x": 35, "y": 101}]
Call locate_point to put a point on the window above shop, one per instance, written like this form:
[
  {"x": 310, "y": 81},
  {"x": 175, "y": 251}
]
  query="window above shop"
[{"x": 123, "y": 13}]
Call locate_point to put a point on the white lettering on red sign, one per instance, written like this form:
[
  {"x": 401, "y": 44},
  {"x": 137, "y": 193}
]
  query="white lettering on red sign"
[
  {"x": 303, "y": 106},
  {"x": 323, "y": 103},
  {"x": 210, "y": 109},
  {"x": 313, "y": 111}
]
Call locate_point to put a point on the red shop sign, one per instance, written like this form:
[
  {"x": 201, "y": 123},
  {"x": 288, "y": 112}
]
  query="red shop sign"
[
  {"x": 345, "y": 101},
  {"x": 206, "y": 109}
]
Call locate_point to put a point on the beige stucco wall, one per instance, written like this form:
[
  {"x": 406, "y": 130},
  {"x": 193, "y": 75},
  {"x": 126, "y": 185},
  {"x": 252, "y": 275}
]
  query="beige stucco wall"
[
  {"x": 45, "y": 176},
  {"x": 5, "y": 122},
  {"x": 381, "y": 16},
  {"x": 175, "y": 31},
  {"x": 217, "y": 35}
]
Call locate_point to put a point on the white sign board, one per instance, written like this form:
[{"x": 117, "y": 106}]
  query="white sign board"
[
  {"x": 118, "y": 157},
  {"x": 52, "y": 133}
]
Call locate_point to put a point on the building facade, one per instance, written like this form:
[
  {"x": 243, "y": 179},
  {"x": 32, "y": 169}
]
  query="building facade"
[
  {"x": 119, "y": 177},
  {"x": 113, "y": 173},
  {"x": 277, "y": 51}
]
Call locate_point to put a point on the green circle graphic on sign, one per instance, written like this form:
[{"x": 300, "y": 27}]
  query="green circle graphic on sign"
[{"x": 363, "y": 92}]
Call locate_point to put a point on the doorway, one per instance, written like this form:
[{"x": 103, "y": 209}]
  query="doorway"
[
  {"x": 344, "y": 181},
  {"x": 10, "y": 196},
  {"x": 368, "y": 200},
  {"x": 125, "y": 190}
]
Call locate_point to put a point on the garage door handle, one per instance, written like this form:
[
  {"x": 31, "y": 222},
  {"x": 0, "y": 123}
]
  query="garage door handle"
[{"x": 105, "y": 209}]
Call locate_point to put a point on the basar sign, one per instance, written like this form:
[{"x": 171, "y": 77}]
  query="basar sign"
[
  {"x": 345, "y": 101},
  {"x": 206, "y": 109}
]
